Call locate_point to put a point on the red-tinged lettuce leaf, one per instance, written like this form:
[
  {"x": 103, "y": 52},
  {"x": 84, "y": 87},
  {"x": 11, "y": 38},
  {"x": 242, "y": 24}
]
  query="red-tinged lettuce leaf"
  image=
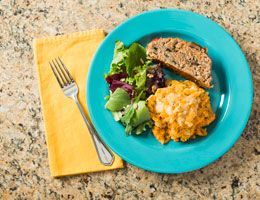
[
  {"x": 117, "y": 77},
  {"x": 116, "y": 81},
  {"x": 120, "y": 84}
]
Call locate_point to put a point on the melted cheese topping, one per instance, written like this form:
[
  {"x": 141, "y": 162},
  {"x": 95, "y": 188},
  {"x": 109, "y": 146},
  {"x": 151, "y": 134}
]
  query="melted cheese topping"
[{"x": 180, "y": 111}]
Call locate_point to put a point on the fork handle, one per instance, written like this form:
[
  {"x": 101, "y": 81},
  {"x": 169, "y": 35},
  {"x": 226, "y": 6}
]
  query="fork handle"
[{"x": 105, "y": 155}]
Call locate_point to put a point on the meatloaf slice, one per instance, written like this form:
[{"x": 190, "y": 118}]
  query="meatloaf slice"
[{"x": 185, "y": 58}]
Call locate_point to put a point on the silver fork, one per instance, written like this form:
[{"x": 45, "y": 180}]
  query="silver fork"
[{"x": 70, "y": 89}]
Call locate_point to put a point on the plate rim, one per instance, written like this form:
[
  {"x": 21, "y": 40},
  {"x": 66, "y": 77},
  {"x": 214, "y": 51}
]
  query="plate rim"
[{"x": 245, "y": 119}]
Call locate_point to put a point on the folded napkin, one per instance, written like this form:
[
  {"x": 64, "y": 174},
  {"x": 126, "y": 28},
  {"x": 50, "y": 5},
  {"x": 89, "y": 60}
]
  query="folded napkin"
[{"x": 70, "y": 148}]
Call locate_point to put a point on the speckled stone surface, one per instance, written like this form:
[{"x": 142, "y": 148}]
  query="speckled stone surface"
[{"x": 24, "y": 170}]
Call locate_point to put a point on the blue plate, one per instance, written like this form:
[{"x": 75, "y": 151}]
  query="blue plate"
[{"x": 231, "y": 97}]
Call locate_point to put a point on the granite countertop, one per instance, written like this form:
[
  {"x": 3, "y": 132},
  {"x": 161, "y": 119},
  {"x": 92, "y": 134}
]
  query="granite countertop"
[{"x": 24, "y": 170}]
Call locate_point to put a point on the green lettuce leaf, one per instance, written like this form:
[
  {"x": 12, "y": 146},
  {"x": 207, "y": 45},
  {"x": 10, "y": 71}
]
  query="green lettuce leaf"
[
  {"x": 140, "y": 79},
  {"x": 129, "y": 112},
  {"x": 136, "y": 114},
  {"x": 141, "y": 114},
  {"x": 118, "y": 62},
  {"x": 117, "y": 115},
  {"x": 128, "y": 129},
  {"x": 142, "y": 127},
  {"x": 118, "y": 100},
  {"x": 136, "y": 57}
]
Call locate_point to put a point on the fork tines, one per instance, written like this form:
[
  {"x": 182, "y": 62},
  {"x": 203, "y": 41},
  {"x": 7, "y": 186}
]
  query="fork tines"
[{"x": 61, "y": 72}]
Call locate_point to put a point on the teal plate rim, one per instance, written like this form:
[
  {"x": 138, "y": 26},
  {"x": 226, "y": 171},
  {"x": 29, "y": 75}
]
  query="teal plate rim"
[{"x": 237, "y": 104}]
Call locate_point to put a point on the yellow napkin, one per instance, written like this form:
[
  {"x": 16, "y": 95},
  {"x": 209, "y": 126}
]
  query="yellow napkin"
[{"x": 70, "y": 148}]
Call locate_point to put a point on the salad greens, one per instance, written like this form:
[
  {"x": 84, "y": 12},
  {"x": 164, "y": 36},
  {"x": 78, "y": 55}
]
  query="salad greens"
[
  {"x": 136, "y": 117},
  {"x": 127, "y": 79},
  {"x": 141, "y": 113},
  {"x": 118, "y": 100},
  {"x": 138, "y": 80},
  {"x": 136, "y": 58},
  {"x": 118, "y": 63}
]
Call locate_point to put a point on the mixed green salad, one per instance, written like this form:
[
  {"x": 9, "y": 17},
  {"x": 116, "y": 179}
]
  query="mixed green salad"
[{"x": 132, "y": 78}]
